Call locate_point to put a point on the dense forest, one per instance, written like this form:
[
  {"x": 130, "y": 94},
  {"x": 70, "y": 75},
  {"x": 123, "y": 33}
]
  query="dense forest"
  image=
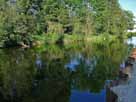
[
  {"x": 62, "y": 50},
  {"x": 25, "y": 21}
]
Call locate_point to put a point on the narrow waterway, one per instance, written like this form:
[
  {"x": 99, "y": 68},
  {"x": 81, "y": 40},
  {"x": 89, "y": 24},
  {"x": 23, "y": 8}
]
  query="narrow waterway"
[{"x": 76, "y": 73}]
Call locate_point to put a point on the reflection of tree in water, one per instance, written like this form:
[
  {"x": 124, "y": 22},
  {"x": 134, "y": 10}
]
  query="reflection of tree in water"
[
  {"x": 31, "y": 77},
  {"x": 51, "y": 90},
  {"x": 16, "y": 77},
  {"x": 103, "y": 65}
]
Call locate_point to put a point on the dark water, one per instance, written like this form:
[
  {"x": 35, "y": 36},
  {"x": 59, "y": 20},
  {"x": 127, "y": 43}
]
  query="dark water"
[{"x": 72, "y": 73}]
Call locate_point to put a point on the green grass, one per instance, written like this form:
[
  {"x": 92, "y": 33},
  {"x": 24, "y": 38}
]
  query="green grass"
[
  {"x": 101, "y": 39},
  {"x": 75, "y": 38},
  {"x": 46, "y": 38},
  {"x": 53, "y": 38}
]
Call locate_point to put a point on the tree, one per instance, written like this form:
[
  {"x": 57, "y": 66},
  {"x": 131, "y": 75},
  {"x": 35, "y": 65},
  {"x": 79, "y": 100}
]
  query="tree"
[
  {"x": 130, "y": 19},
  {"x": 20, "y": 20}
]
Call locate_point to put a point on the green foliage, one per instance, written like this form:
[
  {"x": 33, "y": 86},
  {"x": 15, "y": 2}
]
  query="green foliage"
[
  {"x": 130, "y": 34},
  {"x": 103, "y": 39},
  {"x": 49, "y": 38},
  {"x": 109, "y": 17},
  {"x": 73, "y": 38},
  {"x": 130, "y": 22},
  {"x": 20, "y": 20}
]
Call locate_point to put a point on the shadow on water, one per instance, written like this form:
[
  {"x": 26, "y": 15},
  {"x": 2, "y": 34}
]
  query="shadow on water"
[{"x": 75, "y": 73}]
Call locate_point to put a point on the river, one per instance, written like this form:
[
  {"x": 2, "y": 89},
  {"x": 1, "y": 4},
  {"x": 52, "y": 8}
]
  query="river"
[{"x": 72, "y": 73}]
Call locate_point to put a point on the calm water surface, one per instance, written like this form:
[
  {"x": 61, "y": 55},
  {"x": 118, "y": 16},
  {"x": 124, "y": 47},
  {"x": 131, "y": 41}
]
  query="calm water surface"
[{"x": 72, "y": 73}]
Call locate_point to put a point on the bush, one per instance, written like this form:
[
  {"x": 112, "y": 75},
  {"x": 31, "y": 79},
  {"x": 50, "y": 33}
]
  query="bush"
[
  {"x": 73, "y": 38},
  {"x": 130, "y": 34}
]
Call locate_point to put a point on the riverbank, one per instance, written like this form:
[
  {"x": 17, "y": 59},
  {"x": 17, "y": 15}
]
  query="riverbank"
[
  {"x": 75, "y": 38},
  {"x": 41, "y": 40},
  {"x": 126, "y": 90}
]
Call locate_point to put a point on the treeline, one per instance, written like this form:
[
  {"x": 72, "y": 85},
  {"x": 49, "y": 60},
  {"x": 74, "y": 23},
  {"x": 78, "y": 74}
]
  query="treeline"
[{"x": 22, "y": 20}]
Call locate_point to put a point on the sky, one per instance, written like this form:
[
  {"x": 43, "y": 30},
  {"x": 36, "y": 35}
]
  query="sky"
[{"x": 128, "y": 5}]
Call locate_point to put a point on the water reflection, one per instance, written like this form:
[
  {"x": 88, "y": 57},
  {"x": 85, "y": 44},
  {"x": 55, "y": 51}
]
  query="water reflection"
[
  {"x": 59, "y": 74},
  {"x": 87, "y": 96}
]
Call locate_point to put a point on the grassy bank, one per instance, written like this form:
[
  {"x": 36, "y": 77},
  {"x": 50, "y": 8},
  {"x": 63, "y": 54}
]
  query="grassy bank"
[
  {"x": 101, "y": 39},
  {"x": 74, "y": 38},
  {"x": 67, "y": 39},
  {"x": 55, "y": 39}
]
